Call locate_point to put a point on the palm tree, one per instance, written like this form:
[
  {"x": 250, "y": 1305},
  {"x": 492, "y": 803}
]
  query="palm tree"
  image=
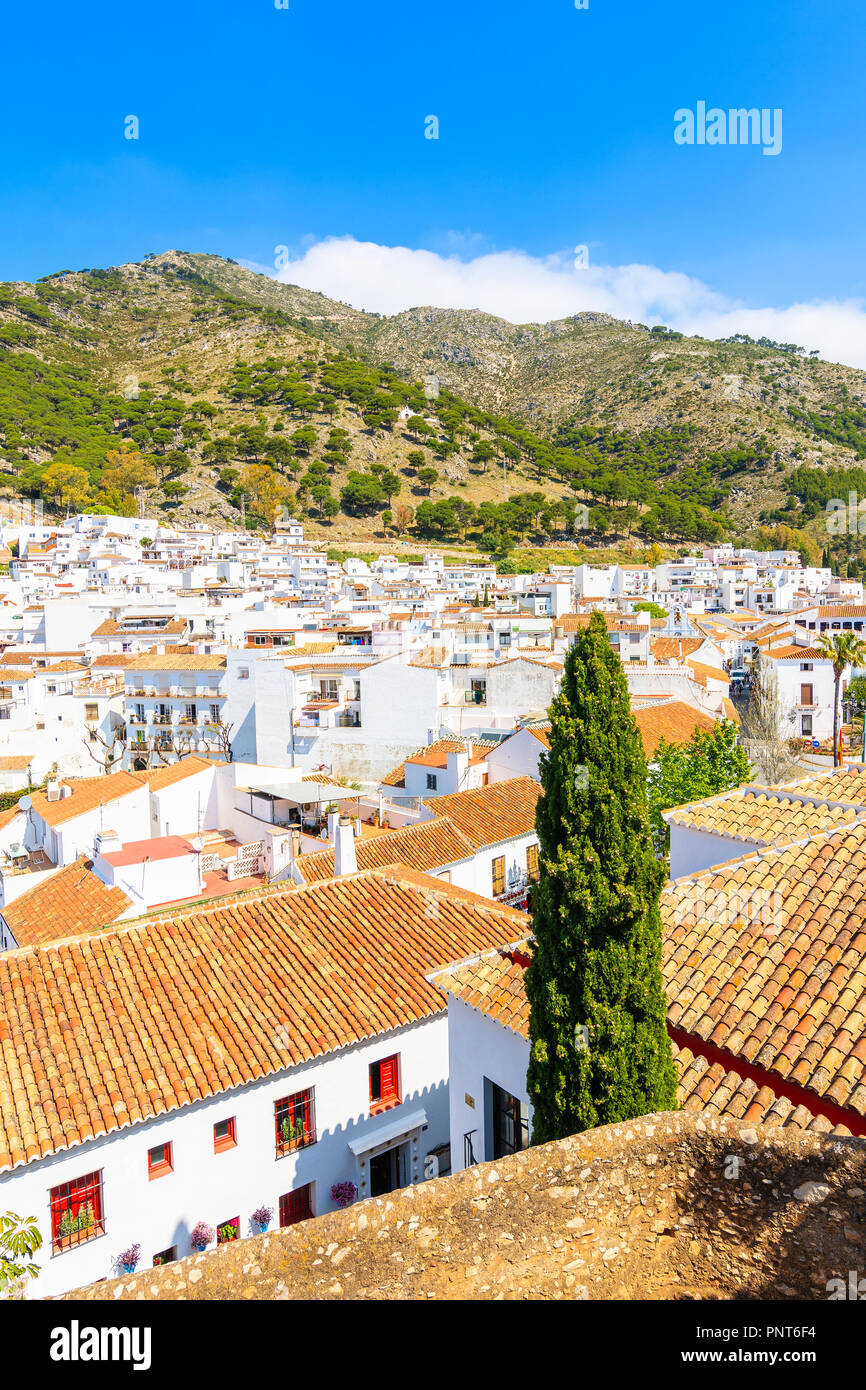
[{"x": 844, "y": 649}]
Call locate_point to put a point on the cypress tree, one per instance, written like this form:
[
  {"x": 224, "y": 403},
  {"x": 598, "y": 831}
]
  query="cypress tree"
[{"x": 599, "y": 1049}]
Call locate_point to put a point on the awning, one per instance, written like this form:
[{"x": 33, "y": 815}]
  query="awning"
[
  {"x": 303, "y": 793},
  {"x": 390, "y": 1133}
]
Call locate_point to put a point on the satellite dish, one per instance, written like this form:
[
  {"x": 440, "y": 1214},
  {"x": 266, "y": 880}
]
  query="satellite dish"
[{"x": 25, "y": 803}]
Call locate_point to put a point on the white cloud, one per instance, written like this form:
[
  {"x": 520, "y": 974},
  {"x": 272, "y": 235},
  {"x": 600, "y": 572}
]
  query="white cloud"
[{"x": 527, "y": 289}]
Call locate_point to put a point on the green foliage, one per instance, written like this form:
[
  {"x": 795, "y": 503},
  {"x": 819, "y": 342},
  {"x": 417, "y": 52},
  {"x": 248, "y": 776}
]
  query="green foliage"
[
  {"x": 711, "y": 762},
  {"x": 655, "y": 610},
  {"x": 599, "y": 1049},
  {"x": 19, "y": 1242},
  {"x": 362, "y": 494}
]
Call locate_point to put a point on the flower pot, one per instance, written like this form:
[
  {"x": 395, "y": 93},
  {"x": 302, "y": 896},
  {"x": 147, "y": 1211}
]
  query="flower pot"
[
  {"x": 263, "y": 1226},
  {"x": 129, "y": 1269},
  {"x": 199, "y": 1247}
]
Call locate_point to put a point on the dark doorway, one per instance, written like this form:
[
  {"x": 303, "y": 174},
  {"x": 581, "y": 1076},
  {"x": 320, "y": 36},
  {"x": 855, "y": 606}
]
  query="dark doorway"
[{"x": 385, "y": 1172}]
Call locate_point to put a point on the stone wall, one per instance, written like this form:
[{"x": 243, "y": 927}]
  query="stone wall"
[{"x": 667, "y": 1207}]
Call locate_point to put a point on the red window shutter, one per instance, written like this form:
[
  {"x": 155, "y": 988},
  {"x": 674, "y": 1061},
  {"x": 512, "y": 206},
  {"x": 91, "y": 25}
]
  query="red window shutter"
[{"x": 389, "y": 1077}]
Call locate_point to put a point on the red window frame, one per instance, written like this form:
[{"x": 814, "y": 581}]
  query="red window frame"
[
  {"x": 72, "y": 1197},
  {"x": 385, "y": 1083},
  {"x": 297, "y": 1205},
  {"x": 158, "y": 1167},
  {"x": 297, "y": 1112},
  {"x": 225, "y": 1141}
]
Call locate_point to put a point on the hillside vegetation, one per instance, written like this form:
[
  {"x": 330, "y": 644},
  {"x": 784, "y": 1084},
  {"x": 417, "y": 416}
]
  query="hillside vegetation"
[{"x": 213, "y": 393}]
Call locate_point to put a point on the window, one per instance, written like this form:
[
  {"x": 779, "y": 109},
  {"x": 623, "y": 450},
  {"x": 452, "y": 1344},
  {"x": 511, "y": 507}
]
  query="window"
[
  {"x": 807, "y": 726},
  {"x": 499, "y": 875},
  {"x": 191, "y": 713},
  {"x": 385, "y": 1083},
  {"x": 806, "y": 695},
  {"x": 295, "y": 1120},
  {"x": 224, "y": 1135},
  {"x": 77, "y": 1212},
  {"x": 228, "y": 1230},
  {"x": 243, "y": 673},
  {"x": 806, "y": 666},
  {"x": 159, "y": 1161},
  {"x": 510, "y": 1122},
  {"x": 215, "y": 714},
  {"x": 165, "y": 1257},
  {"x": 532, "y": 861},
  {"x": 431, "y": 781},
  {"x": 297, "y": 1206}
]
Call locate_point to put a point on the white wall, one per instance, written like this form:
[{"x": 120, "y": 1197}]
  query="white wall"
[
  {"x": 210, "y": 1187},
  {"x": 694, "y": 850},
  {"x": 478, "y": 1047},
  {"x": 516, "y": 757},
  {"x": 128, "y": 815}
]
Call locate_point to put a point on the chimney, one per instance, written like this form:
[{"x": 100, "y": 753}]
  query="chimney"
[
  {"x": 457, "y": 765},
  {"x": 341, "y": 833}
]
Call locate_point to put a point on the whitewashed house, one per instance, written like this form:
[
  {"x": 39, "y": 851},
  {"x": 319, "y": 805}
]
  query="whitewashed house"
[{"x": 229, "y": 1060}]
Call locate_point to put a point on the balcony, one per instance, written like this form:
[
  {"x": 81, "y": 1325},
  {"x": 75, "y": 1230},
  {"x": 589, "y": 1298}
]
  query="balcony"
[{"x": 516, "y": 894}]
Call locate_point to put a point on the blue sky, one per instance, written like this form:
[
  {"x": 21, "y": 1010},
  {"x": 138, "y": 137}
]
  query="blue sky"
[{"x": 262, "y": 127}]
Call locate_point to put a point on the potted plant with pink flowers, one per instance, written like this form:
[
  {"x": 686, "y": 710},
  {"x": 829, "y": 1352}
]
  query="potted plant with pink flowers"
[
  {"x": 201, "y": 1235},
  {"x": 344, "y": 1193}
]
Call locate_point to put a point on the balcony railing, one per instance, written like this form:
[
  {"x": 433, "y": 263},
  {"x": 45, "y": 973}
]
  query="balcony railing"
[
  {"x": 469, "y": 1159},
  {"x": 516, "y": 892}
]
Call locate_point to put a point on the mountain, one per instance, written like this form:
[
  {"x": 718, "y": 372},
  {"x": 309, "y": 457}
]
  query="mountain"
[{"x": 188, "y": 369}]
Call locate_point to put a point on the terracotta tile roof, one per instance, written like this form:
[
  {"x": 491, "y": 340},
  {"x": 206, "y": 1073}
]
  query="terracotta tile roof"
[
  {"x": 761, "y": 815},
  {"x": 87, "y": 794},
  {"x": 136, "y": 1021},
  {"x": 160, "y": 777},
  {"x": 112, "y": 628},
  {"x": 487, "y": 815},
  {"x": 426, "y": 846},
  {"x": 430, "y": 657},
  {"x": 675, "y": 721},
  {"x": 15, "y": 764},
  {"x": 436, "y": 754},
  {"x": 763, "y": 957},
  {"x": 541, "y": 732},
  {"x": 68, "y": 903},
  {"x": 550, "y": 662},
  {"x": 494, "y": 983},
  {"x": 846, "y": 784},
  {"x": 840, "y": 610},
  {"x": 439, "y": 748},
  {"x": 707, "y": 1086},
  {"x": 792, "y": 653},
  {"x": 702, "y": 673},
  {"x": 172, "y": 661},
  {"x": 663, "y": 648},
  {"x": 309, "y": 649}
]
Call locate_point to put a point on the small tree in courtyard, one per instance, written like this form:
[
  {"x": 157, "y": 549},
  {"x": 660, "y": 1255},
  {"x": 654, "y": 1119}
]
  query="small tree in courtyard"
[{"x": 599, "y": 1049}]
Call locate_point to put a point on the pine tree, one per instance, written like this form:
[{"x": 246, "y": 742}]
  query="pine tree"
[{"x": 599, "y": 1049}]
